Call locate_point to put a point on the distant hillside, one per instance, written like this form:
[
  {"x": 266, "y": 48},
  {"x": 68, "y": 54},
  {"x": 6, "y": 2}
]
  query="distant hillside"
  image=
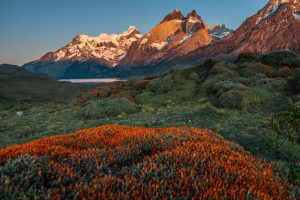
[
  {"x": 19, "y": 84},
  {"x": 13, "y": 70}
]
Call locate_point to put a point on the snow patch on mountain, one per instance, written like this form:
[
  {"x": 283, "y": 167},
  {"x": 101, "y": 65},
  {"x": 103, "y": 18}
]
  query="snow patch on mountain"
[
  {"x": 222, "y": 35},
  {"x": 297, "y": 15},
  {"x": 187, "y": 36},
  {"x": 170, "y": 39},
  {"x": 193, "y": 20},
  {"x": 158, "y": 45},
  {"x": 219, "y": 31},
  {"x": 273, "y": 7},
  {"x": 272, "y": 11},
  {"x": 144, "y": 40}
]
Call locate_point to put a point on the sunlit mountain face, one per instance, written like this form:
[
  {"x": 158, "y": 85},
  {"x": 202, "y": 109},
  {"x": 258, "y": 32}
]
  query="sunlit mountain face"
[{"x": 176, "y": 40}]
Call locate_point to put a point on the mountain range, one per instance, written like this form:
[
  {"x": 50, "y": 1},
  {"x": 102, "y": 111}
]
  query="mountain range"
[{"x": 177, "y": 40}]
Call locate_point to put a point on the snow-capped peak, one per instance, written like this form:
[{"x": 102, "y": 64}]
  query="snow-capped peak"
[
  {"x": 175, "y": 15},
  {"x": 193, "y": 17},
  {"x": 274, "y": 3},
  {"x": 131, "y": 29},
  {"x": 219, "y": 31},
  {"x": 274, "y": 6},
  {"x": 108, "y": 49}
]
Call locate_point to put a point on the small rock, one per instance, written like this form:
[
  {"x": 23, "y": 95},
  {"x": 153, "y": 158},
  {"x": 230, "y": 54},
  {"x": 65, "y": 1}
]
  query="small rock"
[{"x": 20, "y": 114}]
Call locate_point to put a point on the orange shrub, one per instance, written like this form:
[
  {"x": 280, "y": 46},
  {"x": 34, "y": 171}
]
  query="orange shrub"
[{"x": 118, "y": 162}]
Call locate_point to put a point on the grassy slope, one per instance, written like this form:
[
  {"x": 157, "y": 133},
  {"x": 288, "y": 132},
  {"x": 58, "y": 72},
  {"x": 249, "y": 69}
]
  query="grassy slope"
[{"x": 18, "y": 84}]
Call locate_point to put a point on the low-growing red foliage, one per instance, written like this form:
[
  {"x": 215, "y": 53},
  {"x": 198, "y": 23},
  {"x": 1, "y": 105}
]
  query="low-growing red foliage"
[{"x": 113, "y": 162}]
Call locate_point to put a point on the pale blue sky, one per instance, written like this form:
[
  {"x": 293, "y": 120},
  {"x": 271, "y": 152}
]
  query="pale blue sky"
[{"x": 30, "y": 28}]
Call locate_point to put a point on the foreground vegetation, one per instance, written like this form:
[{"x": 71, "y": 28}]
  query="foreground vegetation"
[
  {"x": 252, "y": 101},
  {"x": 126, "y": 163}
]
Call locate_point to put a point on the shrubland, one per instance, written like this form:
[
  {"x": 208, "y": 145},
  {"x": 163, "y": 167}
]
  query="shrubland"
[
  {"x": 246, "y": 101},
  {"x": 116, "y": 162}
]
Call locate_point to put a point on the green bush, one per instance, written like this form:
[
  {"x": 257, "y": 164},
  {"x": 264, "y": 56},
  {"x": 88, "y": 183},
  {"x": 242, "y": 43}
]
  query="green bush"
[
  {"x": 170, "y": 89},
  {"x": 246, "y": 57},
  {"x": 203, "y": 69},
  {"x": 271, "y": 84},
  {"x": 294, "y": 82},
  {"x": 184, "y": 85},
  {"x": 287, "y": 123},
  {"x": 218, "y": 85},
  {"x": 209, "y": 109},
  {"x": 259, "y": 96},
  {"x": 209, "y": 63},
  {"x": 284, "y": 72},
  {"x": 181, "y": 91},
  {"x": 270, "y": 147},
  {"x": 220, "y": 78},
  {"x": 249, "y": 69},
  {"x": 294, "y": 175},
  {"x": 183, "y": 73},
  {"x": 108, "y": 107},
  {"x": 243, "y": 97},
  {"x": 150, "y": 98},
  {"x": 138, "y": 85},
  {"x": 194, "y": 76},
  {"x": 223, "y": 71},
  {"x": 154, "y": 99},
  {"x": 243, "y": 80},
  {"x": 285, "y": 153},
  {"x": 228, "y": 65},
  {"x": 234, "y": 98},
  {"x": 210, "y": 82},
  {"x": 144, "y": 97},
  {"x": 162, "y": 85},
  {"x": 281, "y": 58},
  {"x": 223, "y": 86}
]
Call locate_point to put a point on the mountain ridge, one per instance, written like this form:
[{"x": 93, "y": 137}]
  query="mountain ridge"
[
  {"x": 176, "y": 40},
  {"x": 272, "y": 28},
  {"x": 175, "y": 35},
  {"x": 107, "y": 49}
]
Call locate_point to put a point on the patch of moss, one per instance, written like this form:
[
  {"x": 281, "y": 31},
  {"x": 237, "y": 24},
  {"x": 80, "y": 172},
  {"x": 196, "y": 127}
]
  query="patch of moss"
[
  {"x": 248, "y": 69},
  {"x": 107, "y": 107},
  {"x": 220, "y": 70},
  {"x": 243, "y": 97},
  {"x": 170, "y": 89},
  {"x": 271, "y": 84}
]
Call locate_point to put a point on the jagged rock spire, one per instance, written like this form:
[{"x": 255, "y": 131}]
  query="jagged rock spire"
[{"x": 176, "y": 14}]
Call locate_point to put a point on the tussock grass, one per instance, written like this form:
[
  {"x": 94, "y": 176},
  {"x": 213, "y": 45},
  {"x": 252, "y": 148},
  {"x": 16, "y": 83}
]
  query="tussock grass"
[{"x": 107, "y": 108}]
